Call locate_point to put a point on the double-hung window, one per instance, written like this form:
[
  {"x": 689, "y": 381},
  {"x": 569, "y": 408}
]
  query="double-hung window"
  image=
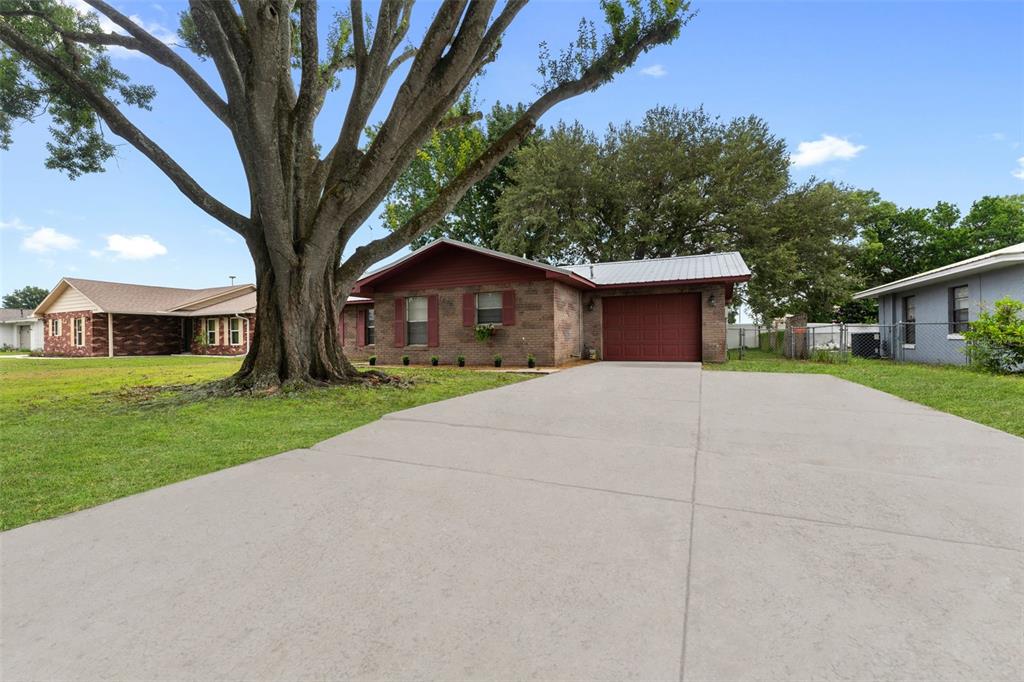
[
  {"x": 958, "y": 310},
  {"x": 416, "y": 321},
  {"x": 370, "y": 327},
  {"x": 78, "y": 331},
  {"x": 488, "y": 308},
  {"x": 55, "y": 327},
  {"x": 909, "y": 318},
  {"x": 235, "y": 331},
  {"x": 211, "y": 331}
]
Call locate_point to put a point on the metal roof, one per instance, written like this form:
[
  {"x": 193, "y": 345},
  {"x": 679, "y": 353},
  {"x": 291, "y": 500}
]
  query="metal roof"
[
  {"x": 1009, "y": 255},
  {"x": 673, "y": 269},
  {"x": 728, "y": 265}
]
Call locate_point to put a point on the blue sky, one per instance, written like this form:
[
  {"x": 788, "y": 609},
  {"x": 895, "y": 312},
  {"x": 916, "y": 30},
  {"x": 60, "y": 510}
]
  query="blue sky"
[{"x": 922, "y": 101}]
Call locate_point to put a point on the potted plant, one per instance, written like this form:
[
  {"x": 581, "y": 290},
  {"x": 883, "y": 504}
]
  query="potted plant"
[
  {"x": 405, "y": 360},
  {"x": 531, "y": 361},
  {"x": 460, "y": 361},
  {"x": 483, "y": 332},
  {"x": 434, "y": 360},
  {"x": 497, "y": 361},
  {"x": 373, "y": 360}
]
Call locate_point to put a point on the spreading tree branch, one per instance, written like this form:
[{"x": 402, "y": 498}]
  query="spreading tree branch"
[
  {"x": 147, "y": 44},
  {"x": 614, "y": 58},
  {"x": 124, "y": 128}
]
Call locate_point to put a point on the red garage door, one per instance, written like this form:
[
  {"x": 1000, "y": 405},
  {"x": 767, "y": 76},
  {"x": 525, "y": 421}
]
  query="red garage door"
[{"x": 655, "y": 327}]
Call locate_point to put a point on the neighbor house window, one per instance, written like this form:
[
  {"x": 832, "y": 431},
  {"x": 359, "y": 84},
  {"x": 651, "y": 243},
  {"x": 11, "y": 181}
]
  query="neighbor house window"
[
  {"x": 211, "y": 331},
  {"x": 235, "y": 331},
  {"x": 416, "y": 320},
  {"x": 55, "y": 327},
  {"x": 488, "y": 308},
  {"x": 909, "y": 318},
  {"x": 958, "y": 313},
  {"x": 78, "y": 329},
  {"x": 370, "y": 327}
]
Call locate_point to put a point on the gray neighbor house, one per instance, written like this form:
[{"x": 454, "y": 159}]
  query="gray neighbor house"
[{"x": 921, "y": 318}]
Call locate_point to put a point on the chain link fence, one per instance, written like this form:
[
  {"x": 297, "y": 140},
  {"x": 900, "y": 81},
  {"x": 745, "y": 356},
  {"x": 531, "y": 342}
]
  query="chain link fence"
[{"x": 920, "y": 342}]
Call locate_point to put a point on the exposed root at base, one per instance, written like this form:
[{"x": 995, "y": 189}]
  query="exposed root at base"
[{"x": 268, "y": 385}]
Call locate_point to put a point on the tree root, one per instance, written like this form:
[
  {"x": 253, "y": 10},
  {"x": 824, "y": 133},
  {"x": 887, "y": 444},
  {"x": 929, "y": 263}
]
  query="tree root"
[{"x": 251, "y": 385}]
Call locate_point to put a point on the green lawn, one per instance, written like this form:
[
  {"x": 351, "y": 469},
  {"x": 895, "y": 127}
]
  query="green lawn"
[
  {"x": 996, "y": 401},
  {"x": 77, "y": 433}
]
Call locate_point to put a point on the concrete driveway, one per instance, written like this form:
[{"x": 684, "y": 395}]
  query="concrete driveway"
[{"x": 549, "y": 530}]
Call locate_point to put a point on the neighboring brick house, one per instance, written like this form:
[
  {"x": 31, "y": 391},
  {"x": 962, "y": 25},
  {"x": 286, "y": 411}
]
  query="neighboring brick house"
[
  {"x": 670, "y": 309},
  {"x": 83, "y": 317}
]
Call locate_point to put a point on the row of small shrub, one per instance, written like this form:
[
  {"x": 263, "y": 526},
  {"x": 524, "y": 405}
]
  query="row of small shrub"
[{"x": 460, "y": 360}]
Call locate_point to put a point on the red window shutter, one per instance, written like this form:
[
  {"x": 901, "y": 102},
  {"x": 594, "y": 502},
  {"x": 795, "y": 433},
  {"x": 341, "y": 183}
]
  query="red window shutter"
[
  {"x": 433, "y": 328},
  {"x": 468, "y": 310},
  {"x": 399, "y": 322},
  {"x": 361, "y": 327},
  {"x": 508, "y": 307}
]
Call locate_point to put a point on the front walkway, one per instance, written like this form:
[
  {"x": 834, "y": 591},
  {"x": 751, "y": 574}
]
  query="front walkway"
[{"x": 546, "y": 530}]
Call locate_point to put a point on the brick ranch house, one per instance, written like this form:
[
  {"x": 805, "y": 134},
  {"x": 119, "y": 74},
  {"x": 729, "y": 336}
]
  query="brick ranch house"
[
  {"x": 88, "y": 318},
  {"x": 430, "y": 302}
]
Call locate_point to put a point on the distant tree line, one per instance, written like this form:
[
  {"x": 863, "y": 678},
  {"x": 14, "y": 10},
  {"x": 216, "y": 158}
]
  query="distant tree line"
[
  {"x": 686, "y": 182},
  {"x": 27, "y": 298}
]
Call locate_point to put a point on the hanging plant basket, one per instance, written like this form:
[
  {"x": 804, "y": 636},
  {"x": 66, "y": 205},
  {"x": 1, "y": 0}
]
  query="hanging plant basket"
[{"x": 484, "y": 332}]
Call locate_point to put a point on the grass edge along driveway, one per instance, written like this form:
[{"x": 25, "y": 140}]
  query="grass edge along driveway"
[
  {"x": 989, "y": 399},
  {"x": 78, "y": 433}
]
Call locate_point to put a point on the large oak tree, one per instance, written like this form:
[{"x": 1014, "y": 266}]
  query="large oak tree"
[{"x": 276, "y": 68}]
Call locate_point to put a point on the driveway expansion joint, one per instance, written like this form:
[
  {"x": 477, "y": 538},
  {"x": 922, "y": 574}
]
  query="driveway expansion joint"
[
  {"x": 508, "y": 477},
  {"x": 458, "y": 425},
  {"x": 854, "y": 526},
  {"x": 693, "y": 516}
]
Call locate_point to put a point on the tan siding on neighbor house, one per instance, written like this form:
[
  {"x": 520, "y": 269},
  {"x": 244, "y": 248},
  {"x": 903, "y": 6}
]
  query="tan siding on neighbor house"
[{"x": 70, "y": 301}]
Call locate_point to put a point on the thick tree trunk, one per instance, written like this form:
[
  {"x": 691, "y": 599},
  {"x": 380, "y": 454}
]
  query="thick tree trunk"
[{"x": 296, "y": 339}]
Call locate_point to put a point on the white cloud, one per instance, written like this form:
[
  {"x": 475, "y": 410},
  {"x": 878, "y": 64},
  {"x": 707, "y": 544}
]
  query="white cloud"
[
  {"x": 134, "y": 247},
  {"x": 655, "y": 71},
  {"x": 14, "y": 224},
  {"x": 828, "y": 148},
  {"x": 158, "y": 31},
  {"x": 48, "y": 240},
  {"x": 1019, "y": 172}
]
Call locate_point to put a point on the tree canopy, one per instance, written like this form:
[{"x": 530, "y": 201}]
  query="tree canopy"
[
  {"x": 28, "y": 298},
  {"x": 275, "y": 68},
  {"x": 684, "y": 182}
]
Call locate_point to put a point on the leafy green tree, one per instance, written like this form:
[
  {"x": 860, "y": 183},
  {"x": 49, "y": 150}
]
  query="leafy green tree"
[
  {"x": 276, "y": 69},
  {"x": 559, "y": 205},
  {"x": 28, "y": 298},
  {"x": 446, "y": 154}
]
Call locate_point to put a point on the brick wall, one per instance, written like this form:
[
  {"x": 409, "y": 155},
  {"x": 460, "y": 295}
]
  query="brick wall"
[
  {"x": 566, "y": 323},
  {"x": 141, "y": 335},
  {"x": 532, "y": 332},
  {"x": 353, "y": 347},
  {"x": 223, "y": 345},
  {"x": 63, "y": 345},
  {"x": 713, "y": 318}
]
